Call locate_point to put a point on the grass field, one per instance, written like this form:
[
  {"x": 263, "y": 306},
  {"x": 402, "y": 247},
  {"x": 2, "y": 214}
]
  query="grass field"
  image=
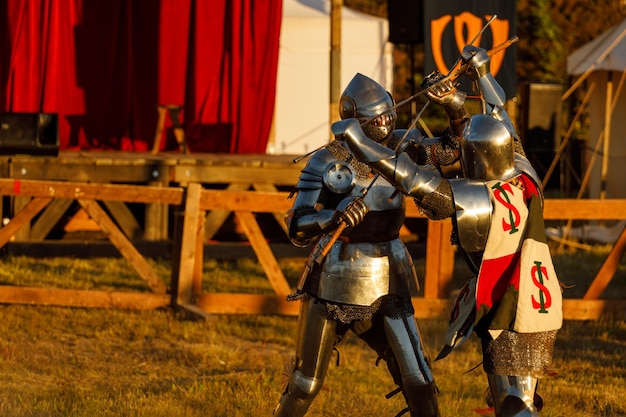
[{"x": 91, "y": 362}]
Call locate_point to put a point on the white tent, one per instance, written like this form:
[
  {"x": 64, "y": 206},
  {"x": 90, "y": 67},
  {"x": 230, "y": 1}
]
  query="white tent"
[
  {"x": 301, "y": 118},
  {"x": 602, "y": 62}
]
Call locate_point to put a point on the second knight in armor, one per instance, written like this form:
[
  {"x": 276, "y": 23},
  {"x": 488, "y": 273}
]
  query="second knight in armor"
[{"x": 514, "y": 303}]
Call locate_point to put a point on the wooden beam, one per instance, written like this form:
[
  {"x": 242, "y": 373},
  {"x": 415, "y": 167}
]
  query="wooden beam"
[
  {"x": 49, "y": 218},
  {"x": 578, "y": 309},
  {"x": 279, "y": 217},
  {"x": 261, "y": 201},
  {"x": 221, "y": 174},
  {"x": 264, "y": 253},
  {"x": 124, "y": 245},
  {"x": 583, "y": 209},
  {"x": 156, "y": 224},
  {"x": 108, "y": 192},
  {"x": 124, "y": 218},
  {"x": 216, "y": 218},
  {"x": 608, "y": 269},
  {"x": 81, "y": 298},
  {"x": 188, "y": 246},
  {"x": 439, "y": 264},
  {"x": 23, "y": 217},
  {"x": 90, "y": 169},
  {"x": 231, "y": 303}
]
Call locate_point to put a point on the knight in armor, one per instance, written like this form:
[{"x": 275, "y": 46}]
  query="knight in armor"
[
  {"x": 365, "y": 281},
  {"x": 514, "y": 304}
]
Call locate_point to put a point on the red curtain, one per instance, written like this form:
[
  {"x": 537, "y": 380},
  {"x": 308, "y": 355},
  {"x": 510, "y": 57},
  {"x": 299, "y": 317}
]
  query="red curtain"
[{"x": 103, "y": 66}]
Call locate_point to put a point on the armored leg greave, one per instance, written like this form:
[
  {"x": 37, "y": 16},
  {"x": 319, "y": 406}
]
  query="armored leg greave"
[
  {"x": 513, "y": 396},
  {"x": 418, "y": 385},
  {"x": 526, "y": 355},
  {"x": 316, "y": 338}
]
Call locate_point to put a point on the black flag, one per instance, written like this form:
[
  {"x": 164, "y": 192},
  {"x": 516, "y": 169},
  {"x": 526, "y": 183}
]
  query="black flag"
[{"x": 450, "y": 25}]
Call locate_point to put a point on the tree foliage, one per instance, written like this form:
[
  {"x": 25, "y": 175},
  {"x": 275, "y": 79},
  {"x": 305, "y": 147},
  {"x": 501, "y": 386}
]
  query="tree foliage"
[{"x": 550, "y": 30}]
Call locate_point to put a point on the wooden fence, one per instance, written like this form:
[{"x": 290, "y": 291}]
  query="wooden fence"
[{"x": 194, "y": 202}]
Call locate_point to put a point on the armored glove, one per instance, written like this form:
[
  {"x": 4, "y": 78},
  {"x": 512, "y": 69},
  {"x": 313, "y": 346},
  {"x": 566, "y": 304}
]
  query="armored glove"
[
  {"x": 351, "y": 210},
  {"x": 443, "y": 91},
  {"x": 477, "y": 60}
]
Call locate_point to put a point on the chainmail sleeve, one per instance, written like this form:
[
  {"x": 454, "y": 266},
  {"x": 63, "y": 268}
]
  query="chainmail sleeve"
[
  {"x": 439, "y": 204},
  {"x": 438, "y": 152}
]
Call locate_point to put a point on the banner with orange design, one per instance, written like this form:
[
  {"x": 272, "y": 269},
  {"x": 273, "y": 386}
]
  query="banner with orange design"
[{"x": 450, "y": 25}]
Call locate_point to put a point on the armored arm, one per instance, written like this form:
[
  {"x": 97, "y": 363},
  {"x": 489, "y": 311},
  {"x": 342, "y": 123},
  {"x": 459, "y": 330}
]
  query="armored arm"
[
  {"x": 444, "y": 92},
  {"x": 321, "y": 202},
  {"x": 422, "y": 182},
  {"x": 478, "y": 70},
  {"x": 304, "y": 221}
]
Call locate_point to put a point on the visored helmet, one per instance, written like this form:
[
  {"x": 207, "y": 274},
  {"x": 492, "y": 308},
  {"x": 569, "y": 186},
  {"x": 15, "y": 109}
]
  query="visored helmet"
[
  {"x": 365, "y": 99},
  {"x": 487, "y": 151}
]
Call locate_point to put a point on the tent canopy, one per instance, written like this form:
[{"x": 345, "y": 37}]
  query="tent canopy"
[
  {"x": 302, "y": 112},
  {"x": 602, "y": 62},
  {"x": 607, "y": 52}
]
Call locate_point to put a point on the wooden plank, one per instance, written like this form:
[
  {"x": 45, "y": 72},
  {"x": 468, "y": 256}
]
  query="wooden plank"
[
  {"x": 49, "y": 218},
  {"x": 223, "y": 174},
  {"x": 428, "y": 308},
  {"x": 578, "y": 309},
  {"x": 82, "y": 298},
  {"x": 584, "y": 209},
  {"x": 608, "y": 269},
  {"x": 108, "y": 192},
  {"x": 198, "y": 266},
  {"x": 264, "y": 253},
  {"x": 177, "y": 241},
  {"x": 216, "y": 218},
  {"x": 125, "y": 247},
  {"x": 279, "y": 217},
  {"x": 22, "y": 218},
  {"x": 156, "y": 224},
  {"x": 102, "y": 170},
  {"x": 232, "y": 303},
  {"x": 19, "y": 202},
  {"x": 124, "y": 218},
  {"x": 183, "y": 287},
  {"x": 439, "y": 263},
  {"x": 412, "y": 211},
  {"x": 261, "y": 201}
]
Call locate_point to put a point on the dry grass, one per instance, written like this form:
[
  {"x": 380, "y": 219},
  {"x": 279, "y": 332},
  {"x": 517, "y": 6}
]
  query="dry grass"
[{"x": 91, "y": 362}]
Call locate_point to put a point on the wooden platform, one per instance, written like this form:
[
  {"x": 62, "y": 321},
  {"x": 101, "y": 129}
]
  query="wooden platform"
[{"x": 152, "y": 222}]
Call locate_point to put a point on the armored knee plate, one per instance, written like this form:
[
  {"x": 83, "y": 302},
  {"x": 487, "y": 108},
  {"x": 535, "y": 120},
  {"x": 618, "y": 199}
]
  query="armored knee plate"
[
  {"x": 513, "y": 396},
  {"x": 298, "y": 396}
]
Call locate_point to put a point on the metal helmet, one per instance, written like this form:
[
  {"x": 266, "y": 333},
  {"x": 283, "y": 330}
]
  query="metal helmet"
[
  {"x": 487, "y": 151},
  {"x": 369, "y": 102}
]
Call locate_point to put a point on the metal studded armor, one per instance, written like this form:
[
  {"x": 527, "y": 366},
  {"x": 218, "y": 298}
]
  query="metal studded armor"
[
  {"x": 488, "y": 151},
  {"x": 365, "y": 281}
]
